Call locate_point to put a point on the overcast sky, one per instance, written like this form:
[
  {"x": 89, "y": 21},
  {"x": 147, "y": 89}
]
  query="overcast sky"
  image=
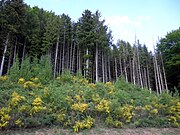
[{"x": 147, "y": 18}]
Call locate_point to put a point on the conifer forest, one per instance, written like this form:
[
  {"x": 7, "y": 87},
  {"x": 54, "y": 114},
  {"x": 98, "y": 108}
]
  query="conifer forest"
[{"x": 54, "y": 70}]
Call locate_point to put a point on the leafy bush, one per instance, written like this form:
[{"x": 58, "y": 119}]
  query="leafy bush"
[{"x": 73, "y": 102}]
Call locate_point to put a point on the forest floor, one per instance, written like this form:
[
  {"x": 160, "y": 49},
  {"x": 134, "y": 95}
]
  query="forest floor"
[{"x": 94, "y": 131}]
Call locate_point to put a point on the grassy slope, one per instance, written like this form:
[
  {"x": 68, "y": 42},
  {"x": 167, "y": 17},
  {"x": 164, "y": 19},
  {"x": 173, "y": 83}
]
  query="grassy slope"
[{"x": 71, "y": 99}]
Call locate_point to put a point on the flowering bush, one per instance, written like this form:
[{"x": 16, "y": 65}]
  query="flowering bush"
[{"x": 72, "y": 102}]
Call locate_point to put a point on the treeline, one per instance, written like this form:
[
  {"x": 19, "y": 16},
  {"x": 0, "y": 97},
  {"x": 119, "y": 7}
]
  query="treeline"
[{"x": 84, "y": 46}]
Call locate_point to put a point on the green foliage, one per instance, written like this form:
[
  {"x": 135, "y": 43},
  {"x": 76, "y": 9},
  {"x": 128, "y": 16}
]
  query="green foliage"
[
  {"x": 169, "y": 48},
  {"x": 14, "y": 73},
  {"x": 157, "y": 122},
  {"x": 72, "y": 102}
]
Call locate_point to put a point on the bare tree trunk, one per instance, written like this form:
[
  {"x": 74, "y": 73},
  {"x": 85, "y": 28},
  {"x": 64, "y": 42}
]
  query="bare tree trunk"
[
  {"x": 124, "y": 61},
  {"x": 158, "y": 75},
  {"x": 148, "y": 79},
  {"x": 96, "y": 60},
  {"x": 87, "y": 63},
  {"x": 2, "y": 62},
  {"x": 9, "y": 61},
  {"x": 4, "y": 55},
  {"x": 71, "y": 54},
  {"x": 73, "y": 58},
  {"x": 63, "y": 53},
  {"x": 155, "y": 75},
  {"x": 125, "y": 70},
  {"x": 133, "y": 65},
  {"x": 161, "y": 79},
  {"x": 103, "y": 76},
  {"x": 77, "y": 55},
  {"x": 15, "y": 51},
  {"x": 164, "y": 74},
  {"x": 109, "y": 69},
  {"x": 115, "y": 62},
  {"x": 55, "y": 62},
  {"x": 120, "y": 65},
  {"x": 80, "y": 61},
  {"x": 24, "y": 50},
  {"x": 60, "y": 60},
  {"x": 105, "y": 69},
  {"x": 67, "y": 56},
  {"x": 145, "y": 78},
  {"x": 139, "y": 68},
  {"x": 130, "y": 68}
]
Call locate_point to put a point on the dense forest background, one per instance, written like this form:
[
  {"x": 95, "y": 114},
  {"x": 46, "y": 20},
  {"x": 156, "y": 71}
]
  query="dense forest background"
[{"x": 86, "y": 47}]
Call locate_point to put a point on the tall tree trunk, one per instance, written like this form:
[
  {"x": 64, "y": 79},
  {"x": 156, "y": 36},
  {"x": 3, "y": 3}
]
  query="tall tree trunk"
[
  {"x": 137, "y": 73},
  {"x": 145, "y": 78},
  {"x": 96, "y": 60},
  {"x": 79, "y": 60},
  {"x": 148, "y": 79},
  {"x": 55, "y": 61},
  {"x": 158, "y": 74},
  {"x": 161, "y": 79},
  {"x": 63, "y": 53},
  {"x": 10, "y": 58},
  {"x": 103, "y": 76},
  {"x": 115, "y": 62},
  {"x": 164, "y": 74},
  {"x": 133, "y": 66},
  {"x": 125, "y": 70},
  {"x": 15, "y": 51},
  {"x": 155, "y": 76},
  {"x": 4, "y": 55},
  {"x": 67, "y": 56},
  {"x": 139, "y": 69},
  {"x": 73, "y": 58},
  {"x": 87, "y": 63},
  {"x": 71, "y": 54},
  {"x": 120, "y": 65},
  {"x": 24, "y": 48},
  {"x": 109, "y": 69},
  {"x": 130, "y": 68},
  {"x": 124, "y": 61},
  {"x": 60, "y": 58},
  {"x": 105, "y": 68}
]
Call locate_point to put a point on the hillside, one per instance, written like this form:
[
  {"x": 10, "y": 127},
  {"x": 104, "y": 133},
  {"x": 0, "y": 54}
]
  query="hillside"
[{"x": 72, "y": 102}]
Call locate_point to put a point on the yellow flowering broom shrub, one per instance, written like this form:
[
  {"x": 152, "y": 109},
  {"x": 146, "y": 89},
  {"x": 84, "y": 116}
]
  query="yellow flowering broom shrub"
[
  {"x": 4, "y": 116},
  {"x": 73, "y": 102},
  {"x": 87, "y": 123}
]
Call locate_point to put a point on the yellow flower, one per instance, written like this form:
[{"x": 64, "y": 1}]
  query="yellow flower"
[
  {"x": 92, "y": 85},
  {"x": 79, "y": 107},
  {"x": 77, "y": 97},
  {"x": 95, "y": 97},
  {"x": 154, "y": 111},
  {"x": 21, "y": 81},
  {"x": 58, "y": 78},
  {"x": 60, "y": 117},
  {"x": 19, "y": 123},
  {"x": 104, "y": 105},
  {"x": 16, "y": 98},
  {"x": 35, "y": 79},
  {"x": 37, "y": 109},
  {"x": 108, "y": 83},
  {"x": 148, "y": 107},
  {"x": 3, "y": 78},
  {"x": 28, "y": 84},
  {"x": 4, "y": 117},
  {"x": 86, "y": 123},
  {"x": 37, "y": 101},
  {"x": 23, "y": 108}
]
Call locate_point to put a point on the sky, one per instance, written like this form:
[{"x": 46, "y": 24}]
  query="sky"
[{"x": 147, "y": 19}]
